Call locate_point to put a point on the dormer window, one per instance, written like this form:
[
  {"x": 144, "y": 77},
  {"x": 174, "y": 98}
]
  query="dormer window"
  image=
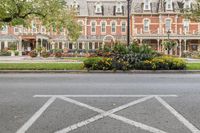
[
  {"x": 147, "y": 5},
  {"x": 75, "y": 4},
  {"x": 119, "y": 7},
  {"x": 187, "y": 4},
  {"x": 169, "y": 5},
  {"x": 98, "y": 8}
]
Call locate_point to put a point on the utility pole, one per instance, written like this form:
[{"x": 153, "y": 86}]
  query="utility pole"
[{"x": 128, "y": 22}]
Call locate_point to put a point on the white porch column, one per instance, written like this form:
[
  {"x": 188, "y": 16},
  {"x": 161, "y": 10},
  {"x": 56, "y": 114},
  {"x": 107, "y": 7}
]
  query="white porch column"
[
  {"x": 20, "y": 47},
  {"x": 180, "y": 48},
  {"x": 185, "y": 45},
  {"x": 37, "y": 43},
  {"x": 6, "y": 44},
  {"x": 63, "y": 45},
  {"x": 141, "y": 42},
  {"x": 158, "y": 45},
  {"x": 93, "y": 45},
  {"x": 83, "y": 45}
]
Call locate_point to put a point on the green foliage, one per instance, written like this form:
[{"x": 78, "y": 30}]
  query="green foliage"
[
  {"x": 58, "y": 53},
  {"x": 45, "y": 54},
  {"x": 120, "y": 49},
  {"x": 5, "y": 53},
  {"x": 162, "y": 63},
  {"x": 13, "y": 46},
  {"x": 20, "y": 12},
  {"x": 169, "y": 45},
  {"x": 103, "y": 64},
  {"x": 90, "y": 63}
]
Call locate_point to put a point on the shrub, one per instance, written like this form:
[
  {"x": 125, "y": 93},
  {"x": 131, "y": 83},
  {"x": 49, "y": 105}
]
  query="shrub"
[
  {"x": 5, "y": 53},
  {"x": 58, "y": 53},
  {"x": 33, "y": 54},
  {"x": 120, "y": 49},
  {"x": 104, "y": 64},
  {"x": 162, "y": 63},
  {"x": 91, "y": 62},
  {"x": 45, "y": 54}
]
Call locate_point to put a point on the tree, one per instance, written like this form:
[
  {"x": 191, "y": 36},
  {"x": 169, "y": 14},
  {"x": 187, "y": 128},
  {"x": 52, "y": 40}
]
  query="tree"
[
  {"x": 169, "y": 45},
  {"x": 193, "y": 12},
  {"x": 49, "y": 12}
]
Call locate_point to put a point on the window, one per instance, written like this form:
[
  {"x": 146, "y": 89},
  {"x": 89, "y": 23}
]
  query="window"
[
  {"x": 34, "y": 28},
  {"x": 186, "y": 24},
  {"x": 187, "y": 4},
  {"x": 103, "y": 27},
  {"x": 146, "y": 4},
  {"x": 81, "y": 25},
  {"x": 113, "y": 27},
  {"x": 16, "y": 30},
  {"x": 93, "y": 27},
  {"x": 123, "y": 26},
  {"x": 169, "y": 5},
  {"x": 98, "y": 8},
  {"x": 168, "y": 24},
  {"x": 146, "y": 25},
  {"x": 4, "y": 29},
  {"x": 119, "y": 8}
]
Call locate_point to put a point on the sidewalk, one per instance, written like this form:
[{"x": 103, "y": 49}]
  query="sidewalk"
[{"x": 27, "y": 59}]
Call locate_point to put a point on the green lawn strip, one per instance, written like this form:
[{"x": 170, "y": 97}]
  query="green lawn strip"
[
  {"x": 193, "y": 66},
  {"x": 41, "y": 66},
  {"x": 81, "y": 59}
]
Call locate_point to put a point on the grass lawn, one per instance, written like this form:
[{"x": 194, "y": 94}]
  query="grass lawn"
[
  {"x": 41, "y": 66},
  {"x": 193, "y": 66},
  {"x": 75, "y": 58}
]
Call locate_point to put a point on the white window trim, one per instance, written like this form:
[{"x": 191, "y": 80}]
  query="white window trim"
[
  {"x": 98, "y": 5},
  {"x": 187, "y": 3},
  {"x": 149, "y": 21},
  {"x": 169, "y": 3},
  {"x": 125, "y": 26},
  {"x": 149, "y": 5},
  {"x": 105, "y": 26},
  {"x": 188, "y": 29},
  {"x": 95, "y": 27},
  {"x": 119, "y": 6},
  {"x": 4, "y": 31},
  {"x": 115, "y": 26},
  {"x": 170, "y": 24}
]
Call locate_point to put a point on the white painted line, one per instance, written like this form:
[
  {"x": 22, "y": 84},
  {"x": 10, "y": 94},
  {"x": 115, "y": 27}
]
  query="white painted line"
[
  {"x": 30, "y": 122},
  {"x": 99, "y": 96},
  {"x": 110, "y": 114},
  {"x": 137, "y": 124},
  {"x": 183, "y": 120}
]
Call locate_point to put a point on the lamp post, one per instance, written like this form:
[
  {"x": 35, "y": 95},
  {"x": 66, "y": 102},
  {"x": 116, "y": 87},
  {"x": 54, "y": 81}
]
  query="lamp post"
[
  {"x": 128, "y": 22},
  {"x": 168, "y": 33}
]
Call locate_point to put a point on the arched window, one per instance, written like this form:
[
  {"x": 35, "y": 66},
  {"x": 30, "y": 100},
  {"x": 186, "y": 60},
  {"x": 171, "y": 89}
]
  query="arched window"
[
  {"x": 113, "y": 27},
  {"x": 169, "y": 5},
  {"x": 119, "y": 7},
  {"x": 146, "y": 25},
  {"x": 147, "y": 5},
  {"x": 187, "y": 4},
  {"x": 186, "y": 25},
  {"x": 168, "y": 24},
  {"x": 98, "y": 8}
]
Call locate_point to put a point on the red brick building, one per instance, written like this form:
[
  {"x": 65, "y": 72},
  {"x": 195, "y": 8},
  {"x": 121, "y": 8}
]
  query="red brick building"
[
  {"x": 105, "y": 22},
  {"x": 155, "y": 21}
]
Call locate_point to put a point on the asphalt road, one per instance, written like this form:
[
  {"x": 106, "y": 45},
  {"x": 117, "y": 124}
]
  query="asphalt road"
[{"x": 99, "y": 103}]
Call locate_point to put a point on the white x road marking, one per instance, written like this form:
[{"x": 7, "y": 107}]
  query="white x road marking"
[{"x": 109, "y": 113}]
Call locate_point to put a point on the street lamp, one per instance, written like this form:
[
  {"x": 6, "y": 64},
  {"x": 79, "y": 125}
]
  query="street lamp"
[
  {"x": 168, "y": 33},
  {"x": 128, "y": 23}
]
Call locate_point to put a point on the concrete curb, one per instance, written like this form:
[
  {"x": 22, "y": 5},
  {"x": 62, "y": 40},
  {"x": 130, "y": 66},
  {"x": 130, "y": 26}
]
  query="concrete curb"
[{"x": 103, "y": 72}]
